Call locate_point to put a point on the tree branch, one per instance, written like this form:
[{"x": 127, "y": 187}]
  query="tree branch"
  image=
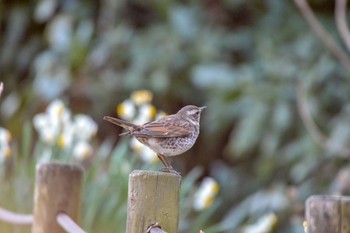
[
  {"x": 340, "y": 18},
  {"x": 312, "y": 128},
  {"x": 320, "y": 32}
]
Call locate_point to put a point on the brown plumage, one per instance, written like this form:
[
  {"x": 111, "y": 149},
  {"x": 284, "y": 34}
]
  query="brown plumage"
[{"x": 168, "y": 136}]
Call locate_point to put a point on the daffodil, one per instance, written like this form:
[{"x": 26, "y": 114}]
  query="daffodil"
[
  {"x": 305, "y": 226},
  {"x": 147, "y": 113},
  {"x": 145, "y": 153},
  {"x": 139, "y": 110},
  {"x": 57, "y": 127},
  {"x": 82, "y": 150},
  {"x": 160, "y": 114},
  {"x": 5, "y": 149},
  {"x": 206, "y": 194},
  {"x": 84, "y": 127},
  {"x": 141, "y": 97},
  {"x": 126, "y": 110},
  {"x": 50, "y": 124},
  {"x": 264, "y": 225}
]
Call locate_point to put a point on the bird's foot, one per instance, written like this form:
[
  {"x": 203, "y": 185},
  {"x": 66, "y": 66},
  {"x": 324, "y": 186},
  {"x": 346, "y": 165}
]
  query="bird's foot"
[{"x": 170, "y": 170}]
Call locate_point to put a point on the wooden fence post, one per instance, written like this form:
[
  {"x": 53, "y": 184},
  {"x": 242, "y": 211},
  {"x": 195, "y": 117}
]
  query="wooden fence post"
[
  {"x": 328, "y": 214},
  {"x": 58, "y": 189},
  {"x": 153, "y": 197}
]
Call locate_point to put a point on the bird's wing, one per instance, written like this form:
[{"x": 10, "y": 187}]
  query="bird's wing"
[{"x": 163, "y": 129}]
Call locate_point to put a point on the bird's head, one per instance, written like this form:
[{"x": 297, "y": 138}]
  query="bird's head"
[{"x": 192, "y": 113}]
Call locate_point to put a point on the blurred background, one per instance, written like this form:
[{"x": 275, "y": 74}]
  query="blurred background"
[{"x": 274, "y": 132}]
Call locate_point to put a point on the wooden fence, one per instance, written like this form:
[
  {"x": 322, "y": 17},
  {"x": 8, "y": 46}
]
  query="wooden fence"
[
  {"x": 153, "y": 201},
  {"x": 327, "y": 214},
  {"x": 153, "y": 204}
]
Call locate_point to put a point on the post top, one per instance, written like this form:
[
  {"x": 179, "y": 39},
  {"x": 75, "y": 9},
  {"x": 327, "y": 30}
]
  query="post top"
[
  {"x": 328, "y": 198},
  {"x": 153, "y": 173},
  {"x": 59, "y": 166}
]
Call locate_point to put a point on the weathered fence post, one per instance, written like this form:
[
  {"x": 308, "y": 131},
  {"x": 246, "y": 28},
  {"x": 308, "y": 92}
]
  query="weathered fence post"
[
  {"x": 328, "y": 214},
  {"x": 153, "y": 197},
  {"x": 58, "y": 189}
]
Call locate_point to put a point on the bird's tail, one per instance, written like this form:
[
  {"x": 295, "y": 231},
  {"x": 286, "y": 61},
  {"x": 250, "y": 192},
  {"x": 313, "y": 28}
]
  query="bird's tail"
[{"x": 130, "y": 127}]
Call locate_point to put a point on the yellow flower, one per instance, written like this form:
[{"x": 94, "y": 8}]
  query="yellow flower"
[
  {"x": 126, "y": 110},
  {"x": 205, "y": 195},
  {"x": 141, "y": 97},
  {"x": 64, "y": 141},
  {"x": 148, "y": 110},
  {"x": 305, "y": 226}
]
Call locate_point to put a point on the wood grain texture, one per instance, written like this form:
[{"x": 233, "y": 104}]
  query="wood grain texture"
[
  {"x": 328, "y": 214},
  {"x": 58, "y": 189},
  {"x": 153, "y": 197}
]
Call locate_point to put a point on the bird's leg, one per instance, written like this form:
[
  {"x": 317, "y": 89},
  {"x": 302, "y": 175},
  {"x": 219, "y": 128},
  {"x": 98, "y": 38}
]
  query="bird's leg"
[{"x": 167, "y": 167}]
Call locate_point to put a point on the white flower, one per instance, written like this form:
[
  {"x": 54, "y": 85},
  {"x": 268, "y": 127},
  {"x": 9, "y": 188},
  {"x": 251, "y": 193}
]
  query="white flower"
[
  {"x": 67, "y": 136},
  {"x": 5, "y": 149},
  {"x": 140, "y": 120},
  {"x": 145, "y": 153},
  {"x": 206, "y": 194},
  {"x": 5, "y": 136},
  {"x": 160, "y": 114},
  {"x": 82, "y": 150},
  {"x": 51, "y": 124},
  {"x": 48, "y": 135},
  {"x": 126, "y": 110},
  {"x": 305, "y": 226},
  {"x": 1, "y": 88},
  {"x": 146, "y": 114},
  {"x": 84, "y": 126},
  {"x": 147, "y": 111},
  {"x": 56, "y": 127},
  {"x": 264, "y": 224},
  {"x": 58, "y": 111}
]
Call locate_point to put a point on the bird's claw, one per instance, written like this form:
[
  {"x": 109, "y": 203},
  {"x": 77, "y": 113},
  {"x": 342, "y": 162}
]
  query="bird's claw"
[{"x": 170, "y": 170}]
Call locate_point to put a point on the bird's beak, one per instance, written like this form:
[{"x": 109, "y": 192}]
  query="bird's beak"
[{"x": 201, "y": 108}]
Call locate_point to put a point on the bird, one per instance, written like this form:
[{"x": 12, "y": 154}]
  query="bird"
[{"x": 167, "y": 136}]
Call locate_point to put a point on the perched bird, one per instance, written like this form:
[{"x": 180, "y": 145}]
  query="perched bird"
[{"x": 167, "y": 136}]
